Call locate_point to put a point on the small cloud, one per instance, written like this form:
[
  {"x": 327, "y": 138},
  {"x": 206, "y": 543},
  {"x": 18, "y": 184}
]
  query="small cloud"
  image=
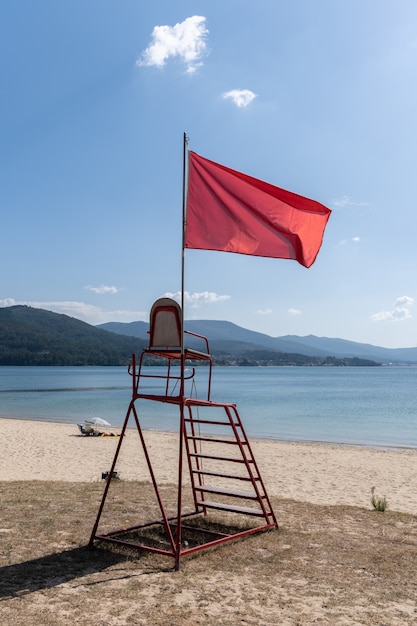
[
  {"x": 341, "y": 202},
  {"x": 399, "y": 313},
  {"x": 404, "y": 300},
  {"x": 294, "y": 312},
  {"x": 345, "y": 242},
  {"x": 344, "y": 202},
  {"x": 240, "y": 97},
  {"x": 197, "y": 298},
  {"x": 102, "y": 289},
  {"x": 186, "y": 40},
  {"x": 8, "y": 302},
  {"x": 264, "y": 312}
]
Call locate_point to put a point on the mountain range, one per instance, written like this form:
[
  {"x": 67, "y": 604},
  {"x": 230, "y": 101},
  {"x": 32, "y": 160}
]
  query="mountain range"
[
  {"x": 226, "y": 337},
  {"x": 30, "y": 336}
]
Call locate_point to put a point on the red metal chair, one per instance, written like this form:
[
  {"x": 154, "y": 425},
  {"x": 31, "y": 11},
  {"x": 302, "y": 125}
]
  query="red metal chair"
[{"x": 165, "y": 342}]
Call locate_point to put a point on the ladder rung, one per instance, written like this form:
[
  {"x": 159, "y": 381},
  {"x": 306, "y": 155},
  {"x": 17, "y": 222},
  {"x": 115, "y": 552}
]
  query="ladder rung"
[
  {"x": 233, "y": 442},
  {"x": 237, "y": 493},
  {"x": 247, "y": 510},
  {"x": 215, "y": 422},
  {"x": 223, "y": 475},
  {"x": 219, "y": 458}
]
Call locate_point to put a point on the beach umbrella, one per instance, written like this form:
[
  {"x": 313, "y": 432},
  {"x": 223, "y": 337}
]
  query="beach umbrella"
[{"x": 97, "y": 421}]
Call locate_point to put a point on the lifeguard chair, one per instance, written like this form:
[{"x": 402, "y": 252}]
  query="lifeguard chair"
[
  {"x": 215, "y": 458},
  {"x": 166, "y": 343}
]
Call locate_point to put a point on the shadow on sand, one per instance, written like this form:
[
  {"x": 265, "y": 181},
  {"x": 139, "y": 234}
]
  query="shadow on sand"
[{"x": 56, "y": 569}]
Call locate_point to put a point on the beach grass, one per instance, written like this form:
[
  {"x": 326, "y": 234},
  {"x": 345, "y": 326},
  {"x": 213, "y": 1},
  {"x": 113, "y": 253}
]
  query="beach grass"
[
  {"x": 325, "y": 565},
  {"x": 380, "y": 503}
]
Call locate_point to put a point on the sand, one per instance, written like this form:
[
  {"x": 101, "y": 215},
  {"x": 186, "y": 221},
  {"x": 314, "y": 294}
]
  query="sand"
[{"x": 308, "y": 472}]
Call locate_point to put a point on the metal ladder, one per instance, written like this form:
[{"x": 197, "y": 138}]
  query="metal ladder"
[{"x": 219, "y": 451}]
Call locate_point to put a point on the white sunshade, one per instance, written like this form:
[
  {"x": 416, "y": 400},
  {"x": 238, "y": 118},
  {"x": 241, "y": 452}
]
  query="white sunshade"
[{"x": 97, "y": 421}]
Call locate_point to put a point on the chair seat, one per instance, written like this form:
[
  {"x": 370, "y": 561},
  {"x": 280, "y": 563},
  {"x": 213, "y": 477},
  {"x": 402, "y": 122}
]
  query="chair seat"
[{"x": 175, "y": 353}]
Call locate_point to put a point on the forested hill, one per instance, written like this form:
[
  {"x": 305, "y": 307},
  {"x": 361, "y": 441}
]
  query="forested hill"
[{"x": 30, "y": 336}]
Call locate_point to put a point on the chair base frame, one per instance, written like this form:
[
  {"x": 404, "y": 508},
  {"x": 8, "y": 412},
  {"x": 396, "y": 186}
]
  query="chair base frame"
[{"x": 187, "y": 532}]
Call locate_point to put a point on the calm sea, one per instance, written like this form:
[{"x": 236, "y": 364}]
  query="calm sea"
[{"x": 375, "y": 406}]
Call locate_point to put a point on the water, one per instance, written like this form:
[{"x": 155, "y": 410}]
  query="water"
[{"x": 373, "y": 406}]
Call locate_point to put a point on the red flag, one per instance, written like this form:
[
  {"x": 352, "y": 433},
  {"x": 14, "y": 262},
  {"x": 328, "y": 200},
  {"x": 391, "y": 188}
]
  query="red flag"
[{"x": 232, "y": 212}]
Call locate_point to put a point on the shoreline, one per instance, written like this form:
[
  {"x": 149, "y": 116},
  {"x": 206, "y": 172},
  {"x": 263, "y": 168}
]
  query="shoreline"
[
  {"x": 344, "y": 444},
  {"x": 308, "y": 472}
]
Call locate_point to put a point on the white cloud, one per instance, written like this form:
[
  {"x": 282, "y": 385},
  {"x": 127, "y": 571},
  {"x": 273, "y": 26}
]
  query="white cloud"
[
  {"x": 186, "y": 40},
  {"x": 240, "y": 97},
  {"x": 8, "y": 302},
  {"x": 404, "y": 300},
  {"x": 344, "y": 202},
  {"x": 197, "y": 298},
  {"x": 102, "y": 289},
  {"x": 264, "y": 312},
  {"x": 396, "y": 315},
  {"x": 294, "y": 312},
  {"x": 354, "y": 240},
  {"x": 82, "y": 311},
  {"x": 399, "y": 313}
]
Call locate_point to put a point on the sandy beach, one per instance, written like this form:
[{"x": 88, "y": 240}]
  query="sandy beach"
[
  {"x": 328, "y": 564},
  {"x": 316, "y": 473}
]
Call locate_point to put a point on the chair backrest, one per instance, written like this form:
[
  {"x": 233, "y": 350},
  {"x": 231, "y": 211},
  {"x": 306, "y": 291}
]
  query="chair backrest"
[{"x": 165, "y": 324}]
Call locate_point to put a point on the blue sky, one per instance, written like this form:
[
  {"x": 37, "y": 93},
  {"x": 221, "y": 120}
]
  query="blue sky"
[{"x": 316, "y": 97}]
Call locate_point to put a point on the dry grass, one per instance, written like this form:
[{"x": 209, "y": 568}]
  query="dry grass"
[{"x": 326, "y": 565}]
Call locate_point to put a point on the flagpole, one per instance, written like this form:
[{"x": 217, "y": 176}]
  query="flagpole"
[
  {"x": 182, "y": 374},
  {"x": 184, "y": 200}
]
